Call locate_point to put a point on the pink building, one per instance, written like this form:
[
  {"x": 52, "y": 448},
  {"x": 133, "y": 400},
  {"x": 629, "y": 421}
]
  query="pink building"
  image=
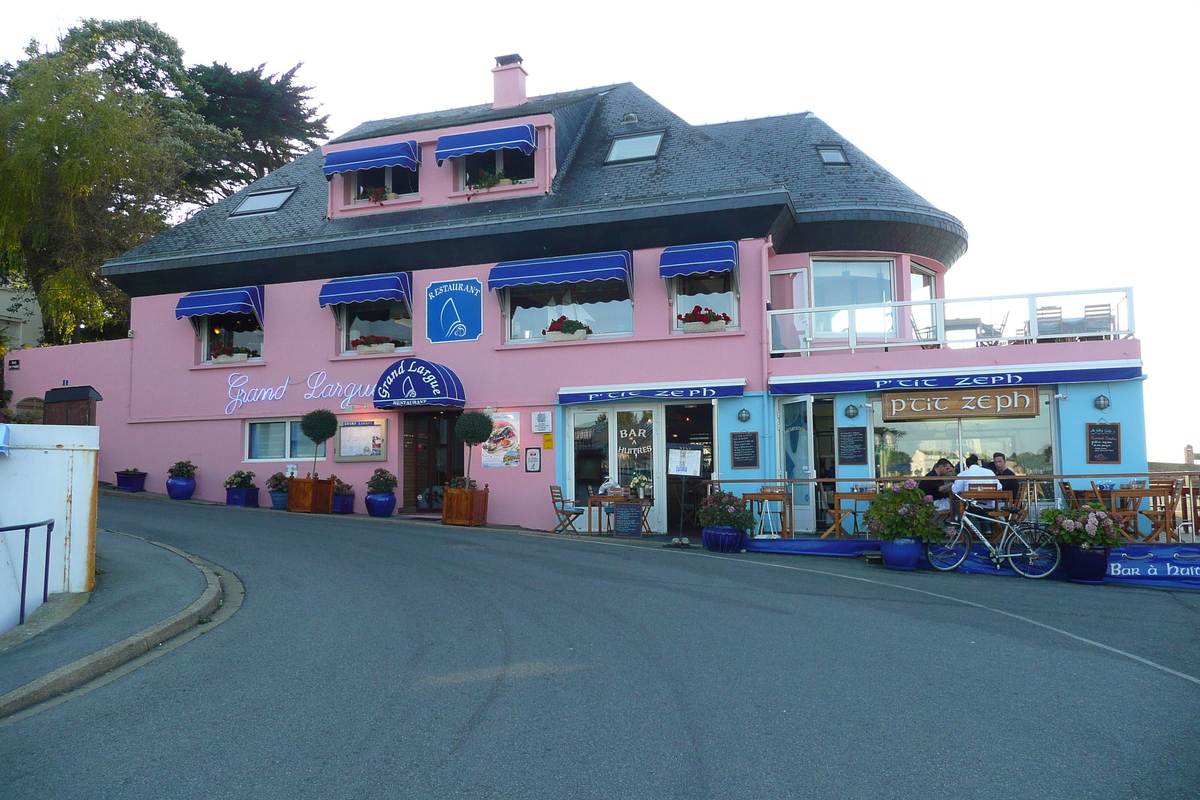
[{"x": 461, "y": 235}]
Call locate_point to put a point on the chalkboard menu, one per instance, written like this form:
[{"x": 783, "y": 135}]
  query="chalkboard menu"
[
  {"x": 627, "y": 520},
  {"x": 852, "y": 446},
  {"x": 743, "y": 447},
  {"x": 1104, "y": 443}
]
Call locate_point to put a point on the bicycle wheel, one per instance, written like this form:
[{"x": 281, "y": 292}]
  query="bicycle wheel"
[
  {"x": 1031, "y": 550},
  {"x": 949, "y": 551}
]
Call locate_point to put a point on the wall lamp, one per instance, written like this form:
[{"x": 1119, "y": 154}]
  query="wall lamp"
[
  {"x": 1060, "y": 397},
  {"x": 851, "y": 411},
  {"x": 1102, "y": 402},
  {"x": 743, "y": 415}
]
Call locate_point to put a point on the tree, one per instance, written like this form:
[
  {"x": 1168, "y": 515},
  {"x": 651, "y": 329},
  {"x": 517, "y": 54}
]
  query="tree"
[{"x": 472, "y": 428}]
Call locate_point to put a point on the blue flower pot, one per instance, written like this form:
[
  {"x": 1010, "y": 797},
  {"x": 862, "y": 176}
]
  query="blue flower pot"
[
  {"x": 242, "y": 497},
  {"x": 279, "y": 501},
  {"x": 181, "y": 488},
  {"x": 723, "y": 540},
  {"x": 1085, "y": 566},
  {"x": 381, "y": 505},
  {"x": 131, "y": 481},
  {"x": 344, "y": 504},
  {"x": 902, "y": 554}
]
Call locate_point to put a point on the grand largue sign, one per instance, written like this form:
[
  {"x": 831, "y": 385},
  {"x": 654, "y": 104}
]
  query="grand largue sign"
[
  {"x": 319, "y": 388},
  {"x": 983, "y": 402}
]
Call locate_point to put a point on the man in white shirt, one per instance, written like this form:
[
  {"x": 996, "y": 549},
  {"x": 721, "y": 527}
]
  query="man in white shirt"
[{"x": 976, "y": 477}]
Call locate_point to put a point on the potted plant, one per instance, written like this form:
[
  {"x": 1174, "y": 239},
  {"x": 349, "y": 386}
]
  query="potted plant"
[
  {"x": 343, "y": 496},
  {"x": 381, "y": 493},
  {"x": 311, "y": 494},
  {"x": 902, "y": 517},
  {"x": 566, "y": 330},
  {"x": 131, "y": 480},
  {"x": 642, "y": 484},
  {"x": 371, "y": 344},
  {"x": 1086, "y": 534},
  {"x": 223, "y": 353},
  {"x": 240, "y": 490},
  {"x": 277, "y": 485},
  {"x": 181, "y": 482},
  {"x": 725, "y": 518},
  {"x": 703, "y": 320},
  {"x": 463, "y": 503}
]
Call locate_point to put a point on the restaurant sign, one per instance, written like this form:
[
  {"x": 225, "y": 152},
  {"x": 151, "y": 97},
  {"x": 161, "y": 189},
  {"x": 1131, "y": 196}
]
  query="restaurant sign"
[{"x": 1009, "y": 401}]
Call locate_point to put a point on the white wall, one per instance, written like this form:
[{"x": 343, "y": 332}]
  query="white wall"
[{"x": 50, "y": 473}]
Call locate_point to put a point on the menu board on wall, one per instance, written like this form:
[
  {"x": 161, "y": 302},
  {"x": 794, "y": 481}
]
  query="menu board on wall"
[
  {"x": 743, "y": 449},
  {"x": 360, "y": 440},
  {"x": 1104, "y": 443},
  {"x": 852, "y": 446}
]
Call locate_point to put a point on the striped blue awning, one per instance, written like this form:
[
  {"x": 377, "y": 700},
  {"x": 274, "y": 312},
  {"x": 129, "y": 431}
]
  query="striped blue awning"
[
  {"x": 399, "y": 154},
  {"x": 695, "y": 259},
  {"x": 395, "y": 286},
  {"x": 243, "y": 300},
  {"x": 563, "y": 269},
  {"x": 416, "y": 382},
  {"x": 517, "y": 137}
]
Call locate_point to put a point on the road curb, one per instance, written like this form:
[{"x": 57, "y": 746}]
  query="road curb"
[{"x": 77, "y": 673}]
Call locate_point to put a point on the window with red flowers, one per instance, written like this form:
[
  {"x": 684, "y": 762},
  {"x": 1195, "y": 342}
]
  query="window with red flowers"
[{"x": 712, "y": 290}]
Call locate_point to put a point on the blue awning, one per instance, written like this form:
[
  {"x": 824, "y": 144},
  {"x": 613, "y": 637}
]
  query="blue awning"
[
  {"x": 400, "y": 154},
  {"x": 517, "y": 137},
  {"x": 416, "y": 382},
  {"x": 689, "y": 390},
  {"x": 396, "y": 286},
  {"x": 563, "y": 269},
  {"x": 243, "y": 300},
  {"x": 694, "y": 259}
]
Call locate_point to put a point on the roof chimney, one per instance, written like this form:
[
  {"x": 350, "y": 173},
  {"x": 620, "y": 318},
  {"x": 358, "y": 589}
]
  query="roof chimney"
[{"x": 509, "y": 81}]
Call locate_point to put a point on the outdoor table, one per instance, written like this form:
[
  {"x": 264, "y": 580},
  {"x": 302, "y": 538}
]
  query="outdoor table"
[
  {"x": 600, "y": 500},
  {"x": 763, "y": 500},
  {"x": 1125, "y": 504},
  {"x": 845, "y": 504}
]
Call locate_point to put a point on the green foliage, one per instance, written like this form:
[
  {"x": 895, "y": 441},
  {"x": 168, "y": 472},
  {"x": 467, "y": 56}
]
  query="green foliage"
[
  {"x": 900, "y": 512},
  {"x": 725, "y": 510},
  {"x": 340, "y": 486},
  {"x": 462, "y": 482},
  {"x": 182, "y": 469},
  {"x": 473, "y": 427},
  {"x": 240, "y": 480},
  {"x": 278, "y": 482},
  {"x": 319, "y": 425},
  {"x": 382, "y": 482}
]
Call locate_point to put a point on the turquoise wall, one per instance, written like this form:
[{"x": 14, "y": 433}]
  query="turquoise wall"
[{"x": 1079, "y": 409}]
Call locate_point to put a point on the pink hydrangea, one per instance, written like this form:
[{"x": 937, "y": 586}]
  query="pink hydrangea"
[{"x": 910, "y": 484}]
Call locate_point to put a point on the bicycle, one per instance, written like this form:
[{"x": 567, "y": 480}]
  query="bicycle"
[{"x": 1029, "y": 548}]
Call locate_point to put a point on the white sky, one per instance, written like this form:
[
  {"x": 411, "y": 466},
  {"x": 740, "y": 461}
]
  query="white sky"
[{"x": 1062, "y": 134}]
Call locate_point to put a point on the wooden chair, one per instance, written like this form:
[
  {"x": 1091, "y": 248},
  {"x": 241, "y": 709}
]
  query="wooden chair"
[
  {"x": 567, "y": 514},
  {"x": 1098, "y": 319},
  {"x": 990, "y": 335},
  {"x": 610, "y": 509},
  {"x": 1001, "y": 509},
  {"x": 845, "y": 507},
  {"x": 1049, "y": 322},
  {"x": 1074, "y": 499},
  {"x": 1161, "y": 512}
]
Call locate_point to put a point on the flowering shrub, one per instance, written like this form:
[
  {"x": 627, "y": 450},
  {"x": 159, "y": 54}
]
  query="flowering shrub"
[
  {"x": 340, "y": 486},
  {"x": 900, "y": 512},
  {"x": 725, "y": 510},
  {"x": 564, "y": 325},
  {"x": 278, "y": 482},
  {"x": 699, "y": 314},
  {"x": 370, "y": 339},
  {"x": 1089, "y": 526},
  {"x": 182, "y": 469},
  {"x": 377, "y": 194},
  {"x": 639, "y": 481},
  {"x": 240, "y": 480},
  {"x": 224, "y": 349},
  {"x": 381, "y": 482}
]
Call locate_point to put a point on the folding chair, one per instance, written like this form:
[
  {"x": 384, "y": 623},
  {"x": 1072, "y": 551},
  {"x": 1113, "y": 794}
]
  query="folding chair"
[{"x": 567, "y": 514}]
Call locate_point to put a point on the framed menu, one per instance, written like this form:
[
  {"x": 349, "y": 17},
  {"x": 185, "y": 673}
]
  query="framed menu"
[
  {"x": 1103, "y": 443},
  {"x": 360, "y": 440},
  {"x": 743, "y": 449},
  {"x": 852, "y": 446}
]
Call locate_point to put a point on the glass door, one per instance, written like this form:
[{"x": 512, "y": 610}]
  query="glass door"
[
  {"x": 631, "y": 435},
  {"x": 795, "y": 422}
]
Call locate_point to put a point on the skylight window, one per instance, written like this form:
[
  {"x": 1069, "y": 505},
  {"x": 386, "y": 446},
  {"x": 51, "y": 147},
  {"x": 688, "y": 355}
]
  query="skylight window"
[
  {"x": 262, "y": 202},
  {"x": 642, "y": 147},
  {"x": 832, "y": 154}
]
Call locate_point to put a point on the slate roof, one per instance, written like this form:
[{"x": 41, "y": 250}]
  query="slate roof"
[{"x": 729, "y": 181}]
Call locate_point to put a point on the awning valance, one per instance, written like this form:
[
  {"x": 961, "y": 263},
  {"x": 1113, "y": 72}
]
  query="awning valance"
[
  {"x": 395, "y": 286},
  {"x": 563, "y": 269},
  {"x": 416, "y": 382},
  {"x": 695, "y": 259},
  {"x": 243, "y": 300},
  {"x": 689, "y": 390},
  {"x": 398, "y": 154},
  {"x": 517, "y": 137}
]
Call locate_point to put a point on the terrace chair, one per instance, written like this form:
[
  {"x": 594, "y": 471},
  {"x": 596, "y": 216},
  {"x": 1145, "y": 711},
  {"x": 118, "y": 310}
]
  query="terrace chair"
[
  {"x": 1049, "y": 322},
  {"x": 1161, "y": 512},
  {"x": 1073, "y": 498},
  {"x": 567, "y": 514},
  {"x": 990, "y": 335},
  {"x": 1098, "y": 319}
]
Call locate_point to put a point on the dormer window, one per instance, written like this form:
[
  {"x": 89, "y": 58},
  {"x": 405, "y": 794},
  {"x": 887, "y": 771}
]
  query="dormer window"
[
  {"x": 375, "y": 174},
  {"x": 490, "y": 157},
  {"x": 642, "y": 147},
  {"x": 383, "y": 183}
]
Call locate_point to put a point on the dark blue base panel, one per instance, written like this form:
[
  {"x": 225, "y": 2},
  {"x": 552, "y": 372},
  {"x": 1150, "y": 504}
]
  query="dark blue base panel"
[{"x": 1175, "y": 565}]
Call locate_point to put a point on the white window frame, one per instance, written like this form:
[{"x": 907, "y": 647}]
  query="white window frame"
[
  {"x": 813, "y": 264},
  {"x": 342, "y": 320},
  {"x": 676, "y": 310},
  {"x": 388, "y": 182},
  {"x": 616, "y": 140},
  {"x": 322, "y": 448},
  {"x": 460, "y": 169},
  {"x": 504, "y": 296},
  {"x": 202, "y": 326}
]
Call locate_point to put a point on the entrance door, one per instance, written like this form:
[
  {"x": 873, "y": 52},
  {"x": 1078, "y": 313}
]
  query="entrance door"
[
  {"x": 432, "y": 456},
  {"x": 796, "y": 455}
]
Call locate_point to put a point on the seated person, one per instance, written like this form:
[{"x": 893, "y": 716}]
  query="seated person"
[
  {"x": 976, "y": 477},
  {"x": 936, "y": 486},
  {"x": 999, "y": 466}
]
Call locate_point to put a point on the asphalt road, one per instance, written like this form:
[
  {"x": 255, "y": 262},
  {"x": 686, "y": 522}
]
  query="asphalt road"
[{"x": 376, "y": 659}]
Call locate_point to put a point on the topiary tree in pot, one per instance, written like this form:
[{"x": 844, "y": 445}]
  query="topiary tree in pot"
[
  {"x": 462, "y": 503},
  {"x": 312, "y": 494}
]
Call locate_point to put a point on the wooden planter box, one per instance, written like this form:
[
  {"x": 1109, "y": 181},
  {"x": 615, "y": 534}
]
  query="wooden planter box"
[
  {"x": 465, "y": 506},
  {"x": 310, "y": 495}
]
